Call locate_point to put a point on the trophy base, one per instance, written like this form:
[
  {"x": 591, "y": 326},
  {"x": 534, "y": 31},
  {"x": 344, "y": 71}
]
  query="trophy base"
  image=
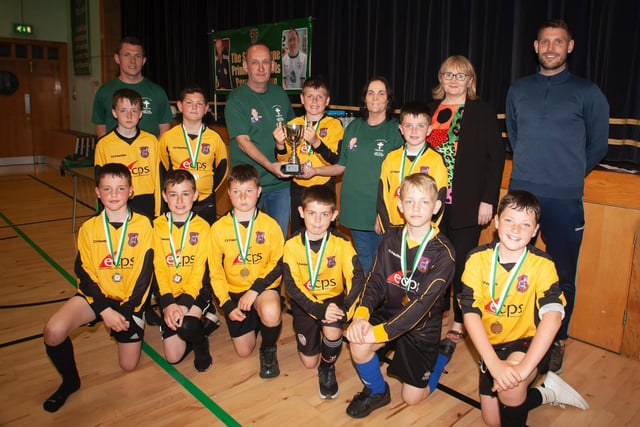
[{"x": 291, "y": 169}]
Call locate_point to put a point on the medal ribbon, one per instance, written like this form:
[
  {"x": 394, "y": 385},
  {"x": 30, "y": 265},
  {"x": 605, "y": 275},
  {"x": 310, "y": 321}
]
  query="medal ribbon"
[
  {"x": 193, "y": 158},
  {"x": 243, "y": 248},
  {"x": 313, "y": 272},
  {"x": 404, "y": 158},
  {"x": 492, "y": 279},
  {"x": 185, "y": 227},
  {"x": 403, "y": 253},
  {"x": 308, "y": 146},
  {"x": 105, "y": 222}
]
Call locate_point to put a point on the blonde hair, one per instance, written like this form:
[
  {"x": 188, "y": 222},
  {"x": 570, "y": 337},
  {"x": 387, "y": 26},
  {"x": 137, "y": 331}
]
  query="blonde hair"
[
  {"x": 420, "y": 181},
  {"x": 460, "y": 64}
]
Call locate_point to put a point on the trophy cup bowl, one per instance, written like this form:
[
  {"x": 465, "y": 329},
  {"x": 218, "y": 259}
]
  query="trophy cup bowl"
[{"x": 293, "y": 133}]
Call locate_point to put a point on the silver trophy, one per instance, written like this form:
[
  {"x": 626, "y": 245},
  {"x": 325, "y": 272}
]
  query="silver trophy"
[{"x": 293, "y": 134}]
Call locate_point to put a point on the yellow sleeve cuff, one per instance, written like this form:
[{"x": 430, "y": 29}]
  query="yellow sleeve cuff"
[
  {"x": 379, "y": 333},
  {"x": 362, "y": 312}
]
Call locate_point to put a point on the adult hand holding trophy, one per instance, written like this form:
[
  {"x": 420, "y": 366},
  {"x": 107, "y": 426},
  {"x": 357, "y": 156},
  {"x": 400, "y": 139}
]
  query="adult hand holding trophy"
[{"x": 293, "y": 134}]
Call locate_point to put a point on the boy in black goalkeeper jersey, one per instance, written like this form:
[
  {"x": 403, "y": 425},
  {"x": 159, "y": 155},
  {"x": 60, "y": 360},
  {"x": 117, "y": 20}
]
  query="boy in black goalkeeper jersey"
[
  {"x": 402, "y": 303},
  {"x": 324, "y": 278},
  {"x": 512, "y": 307},
  {"x": 114, "y": 267}
]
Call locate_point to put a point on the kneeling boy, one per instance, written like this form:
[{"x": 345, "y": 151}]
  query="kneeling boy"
[
  {"x": 245, "y": 260},
  {"x": 114, "y": 267},
  {"x": 402, "y": 303},
  {"x": 324, "y": 278}
]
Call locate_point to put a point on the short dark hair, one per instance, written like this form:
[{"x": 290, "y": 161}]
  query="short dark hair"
[
  {"x": 130, "y": 94},
  {"x": 554, "y": 23},
  {"x": 131, "y": 40},
  {"x": 178, "y": 176},
  {"x": 192, "y": 89},
  {"x": 316, "y": 81},
  {"x": 320, "y": 194},
  {"x": 520, "y": 200},
  {"x": 243, "y": 173},
  {"x": 117, "y": 170},
  {"x": 415, "y": 108},
  {"x": 364, "y": 112}
]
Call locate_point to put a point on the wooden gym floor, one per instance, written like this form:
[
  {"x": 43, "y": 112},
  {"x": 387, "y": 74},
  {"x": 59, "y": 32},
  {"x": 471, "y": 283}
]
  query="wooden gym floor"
[{"x": 37, "y": 249}]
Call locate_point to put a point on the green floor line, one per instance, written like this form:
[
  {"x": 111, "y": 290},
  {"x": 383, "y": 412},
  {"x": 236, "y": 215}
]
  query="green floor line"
[{"x": 203, "y": 398}]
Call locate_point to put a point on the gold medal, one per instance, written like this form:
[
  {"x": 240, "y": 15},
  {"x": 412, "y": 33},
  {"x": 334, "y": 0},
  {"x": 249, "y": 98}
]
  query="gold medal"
[
  {"x": 496, "y": 327},
  {"x": 177, "y": 278},
  {"x": 116, "y": 277},
  {"x": 405, "y": 300},
  {"x": 244, "y": 272}
]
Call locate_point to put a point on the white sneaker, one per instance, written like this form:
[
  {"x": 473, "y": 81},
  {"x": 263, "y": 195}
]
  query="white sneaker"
[{"x": 563, "y": 394}]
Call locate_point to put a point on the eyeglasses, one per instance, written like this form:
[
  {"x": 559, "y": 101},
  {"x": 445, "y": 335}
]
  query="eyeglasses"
[{"x": 459, "y": 76}]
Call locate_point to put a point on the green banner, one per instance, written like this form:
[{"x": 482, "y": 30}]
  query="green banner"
[{"x": 290, "y": 44}]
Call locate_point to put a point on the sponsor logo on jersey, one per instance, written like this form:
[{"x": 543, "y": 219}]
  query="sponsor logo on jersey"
[
  {"x": 205, "y": 148},
  {"x": 508, "y": 310},
  {"x": 251, "y": 259},
  {"x": 323, "y": 132},
  {"x": 321, "y": 284},
  {"x": 184, "y": 260},
  {"x": 331, "y": 261},
  {"x": 260, "y": 237},
  {"x": 107, "y": 262},
  {"x": 523, "y": 284},
  {"x": 404, "y": 283},
  {"x": 424, "y": 170},
  {"x": 193, "y": 238},
  {"x": 133, "y": 239},
  {"x": 144, "y": 152},
  {"x": 186, "y": 164}
]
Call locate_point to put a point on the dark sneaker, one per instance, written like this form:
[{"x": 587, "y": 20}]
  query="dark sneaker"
[
  {"x": 364, "y": 403},
  {"x": 210, "y": 322},
  {"x": 447, "y": 347},
  {"x": 269, "y": 362},
  {"x": 557, "y": 357},
  {"x": 328, "y": 385},
  {"x": 203, "y": 362},
  {"x": 151, "y": 316}
]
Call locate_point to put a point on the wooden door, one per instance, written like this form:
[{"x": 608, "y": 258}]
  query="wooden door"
[{"x": 41, "y": 101}]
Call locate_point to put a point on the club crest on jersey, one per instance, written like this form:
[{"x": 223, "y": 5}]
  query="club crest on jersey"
[
  {"x": 323, "y": 132},
  {"x": 193, "y": 238},
  {"x": 260, "y": 237},
  {"x": 424, "y": 170},
  {"x": 423, "y": 264},
  {"x": 523, "y": 284},
  {"x": 133, "y": 239},
  {"x": 331, "y": 261},
  {"x": 144, "y": 152},
  {"x": 206, "y": 148}
]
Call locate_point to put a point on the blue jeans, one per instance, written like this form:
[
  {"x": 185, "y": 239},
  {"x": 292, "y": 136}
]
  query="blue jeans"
[
  {"x": 366, "y": 244},
  {"x": 562, "y": 226},
  {"x": 276, "y": 205}
]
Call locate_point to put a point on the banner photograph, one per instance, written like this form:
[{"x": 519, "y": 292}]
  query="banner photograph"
[{"x": 290, "y": 44}]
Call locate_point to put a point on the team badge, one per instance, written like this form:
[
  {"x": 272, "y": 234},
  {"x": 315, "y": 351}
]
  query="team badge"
[
  {"x": 206, "y": 148},
  {"x": 353, "y": 143},
  {"x": 323, "y": 132},
  {"x": 133, "y": 239},
  {"x": 144, "y": 152},
  {"x": 331, "y": 261},
  {"x": 523, "y": 284},
  {"x": 260, "y": 237},
  {"x": 423, "y": 264},
  {"x": 424, "y": 170},
  {"x": 193, "y": 238}
]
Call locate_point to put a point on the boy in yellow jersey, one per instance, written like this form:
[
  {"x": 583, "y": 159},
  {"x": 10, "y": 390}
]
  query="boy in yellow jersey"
[
  {"x": 324, "y": 278},
  {"x": 181, "y": 244},
  {"x": 320, "y": 145},
  {"x": 114, "y": 267},
  {"x": 197, "y": 148},
  {"x": 401, "y": 305},
  {"x": 134, "y": 148},
  {"x": 512, "y": 307},
  {"x": 245, "y": 260},
  {"x": 416, "y": 156}
]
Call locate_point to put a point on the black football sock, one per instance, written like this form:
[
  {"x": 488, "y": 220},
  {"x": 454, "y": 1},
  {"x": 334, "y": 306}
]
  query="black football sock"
[
  {"x": 62, "y": 357},
  {"x": 330, "y": 351},
  {"x": 269, "y": 335}
]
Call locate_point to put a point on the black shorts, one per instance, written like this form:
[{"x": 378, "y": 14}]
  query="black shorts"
[
  {"x": 166, "y": 331},
  {"x": 206, "y": 208},
  {"x": 415, "y": 354},
  {"x": 249, "y": 324},
  {"x": 135, "y": 333},
  {"x": 308, "y": 330},
  {"x": 503, "y": 351}
]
